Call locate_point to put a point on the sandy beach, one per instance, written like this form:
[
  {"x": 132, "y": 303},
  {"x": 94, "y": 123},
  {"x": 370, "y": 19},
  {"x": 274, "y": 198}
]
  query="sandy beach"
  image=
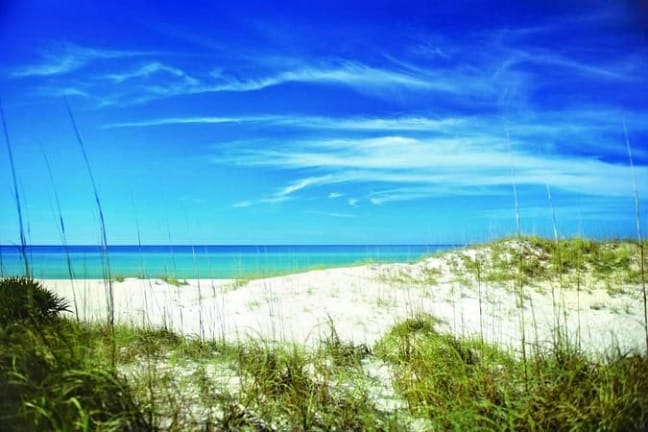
[{"x": 363, "y": 302}]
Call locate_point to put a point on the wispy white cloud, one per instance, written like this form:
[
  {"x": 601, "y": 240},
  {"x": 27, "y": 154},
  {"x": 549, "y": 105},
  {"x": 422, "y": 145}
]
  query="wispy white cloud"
[
  {"x": 384, "y": 81},
  {"x": 535, "y": 52},
  {"x": 145, "y": 83},
  {"x": 272, "y": 199},
  {"x": 410, "y": 193},
  {"x": 347, "y": 73},
  {"x": 242, "y": 204},
  {"x": 543, "y": 57},
  {"x": 190, "y": 121},
  {"x": 545, "y": 131},
  {"x": 556, "y": 25},
  {"x": 61, "y": 59},
  {"x": 146, "y": 71},
  {"x": 592, "y": 209},
  {"x": 54, "y": 66},
  {"x": 335, "y": 195},
  {"x": 457, "y": 156},
  {"x": 303, "y": 183},
  {"x": 68, "y": 91},
  {"x": 440, "y": 167},
  {"x": 483, "y": 70},
  {"x": 332, "y": 214},
  {"x": 285, "y": 193},
  {"x": 378, "y": 81},
  {"x": 405, "y": 123}
]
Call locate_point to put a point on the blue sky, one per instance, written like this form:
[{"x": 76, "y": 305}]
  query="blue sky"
[{"x": 349, "y": 122}]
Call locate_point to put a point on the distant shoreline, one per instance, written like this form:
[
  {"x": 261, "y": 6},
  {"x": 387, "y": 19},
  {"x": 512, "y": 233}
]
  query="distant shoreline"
[{"x": 202, "y": 262}]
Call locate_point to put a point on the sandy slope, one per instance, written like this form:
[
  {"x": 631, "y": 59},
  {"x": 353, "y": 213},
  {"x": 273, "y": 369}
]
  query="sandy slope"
[{"x": 362, "y": 303}]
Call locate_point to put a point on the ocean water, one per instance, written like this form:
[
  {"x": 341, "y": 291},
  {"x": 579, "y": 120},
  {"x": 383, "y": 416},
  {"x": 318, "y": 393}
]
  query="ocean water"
[{"x": 87, "y": 262}]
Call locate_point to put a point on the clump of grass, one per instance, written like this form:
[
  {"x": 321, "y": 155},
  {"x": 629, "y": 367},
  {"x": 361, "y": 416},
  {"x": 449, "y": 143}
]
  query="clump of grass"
[
  {"x": 399, "y": 341},
  {"x": 171, "y": 280},
  {"x": 342, "y": 354},
  {"x": 467, "y": 385},
  {"x": 456, "y": 385},
  {"x": 540, "y": 259},
  {"x": 235, "y": 284},
  {"x": 428, "y": 276},
  {"x": 570, "y": 391},
  {"x": 292, "y": 389},
  {"x": 276, "y": 386},
  {"x": 47, "y": 381}
]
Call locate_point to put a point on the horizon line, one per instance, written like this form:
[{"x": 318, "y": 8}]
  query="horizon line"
[{"x": 233, "y": 245}]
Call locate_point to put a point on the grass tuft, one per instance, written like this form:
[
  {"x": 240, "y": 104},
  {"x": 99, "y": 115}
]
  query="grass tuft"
[
  {"x": 174, "y": 281},
  {"x": 464, "y": 384},
  {"x": 47, "y": 379}
]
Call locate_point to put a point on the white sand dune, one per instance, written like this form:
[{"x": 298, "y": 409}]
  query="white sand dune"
[{"x": 363, "y": 303}]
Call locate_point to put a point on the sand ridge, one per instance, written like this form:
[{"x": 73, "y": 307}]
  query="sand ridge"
[{"x": 363, "y": 302}]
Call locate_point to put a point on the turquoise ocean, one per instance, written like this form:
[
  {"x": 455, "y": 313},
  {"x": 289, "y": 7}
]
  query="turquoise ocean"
[{"x": 87, "y": 262}]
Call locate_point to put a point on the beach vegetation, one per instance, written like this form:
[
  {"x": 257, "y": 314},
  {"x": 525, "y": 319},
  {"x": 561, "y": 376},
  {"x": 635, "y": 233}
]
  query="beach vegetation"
[
  {"x": 463, "y": 384},
  {"x": 426, "y": 277},
  {"x": 48, "y": 379},
  {"x": 236, "y": 284},
  {"x": 444, "y": 383},
  {"x": 57, "y": 374},
  {"x": 171, "y": 280},
  {"x": 536, "y": 259},
  {"x": 24, "y": 300}
]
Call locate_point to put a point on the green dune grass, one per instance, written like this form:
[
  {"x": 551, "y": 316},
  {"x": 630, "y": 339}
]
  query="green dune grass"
[{"x": 60, "y": 374}]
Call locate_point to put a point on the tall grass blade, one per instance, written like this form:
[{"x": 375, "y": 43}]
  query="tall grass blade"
[
  {"x": 139, "y": 238},
  {"x": 1, "y": 263},
  {"x": 518, "y": 279},
  {"x": 110, "y": 299},
  {"x": 68, "y": 259},
  {"x": 559, "y": 270},
  {"x": 638, "y": 225},
  {"x": 23, "y": 241}
]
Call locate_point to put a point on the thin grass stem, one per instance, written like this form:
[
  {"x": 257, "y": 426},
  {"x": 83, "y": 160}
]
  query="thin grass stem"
[
  {"x": 110, "y": 295},
  {"x": 638, "y": 226},
  {"x": 63, "y": 234},
  {"x": 518, "y": 279},
  {"x": 23, "y": 240}
]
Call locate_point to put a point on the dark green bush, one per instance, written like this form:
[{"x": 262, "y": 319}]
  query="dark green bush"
[
  {"x": 25, "y": 299},
  {"x": 48, "y": 380}
]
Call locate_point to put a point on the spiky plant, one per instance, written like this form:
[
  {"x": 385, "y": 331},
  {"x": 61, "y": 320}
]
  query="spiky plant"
[{"x": 26, "y": 299}]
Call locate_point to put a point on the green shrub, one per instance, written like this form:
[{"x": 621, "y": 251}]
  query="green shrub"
[
  {"x": 569, "y": 391},
  {"x": 25, "y": 299},
  {"x": 48, "y": 379},
  {"x": 467, "y": 385},
  {"x": 456, "y": 384}
]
